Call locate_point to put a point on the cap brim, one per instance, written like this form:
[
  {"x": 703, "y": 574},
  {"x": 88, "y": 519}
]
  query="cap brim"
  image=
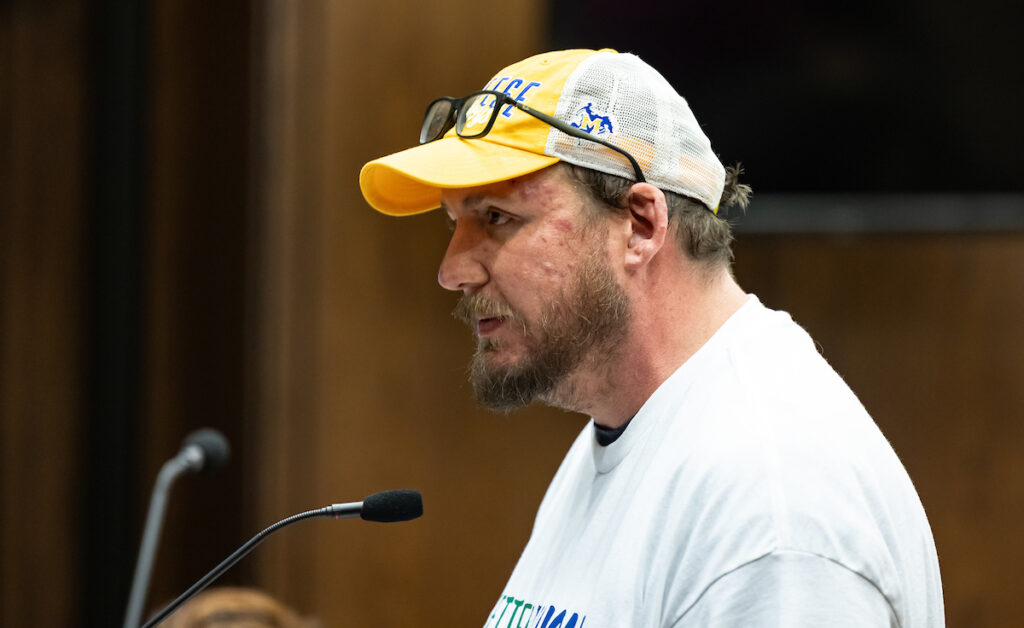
[{"x": 410, "y": 182}]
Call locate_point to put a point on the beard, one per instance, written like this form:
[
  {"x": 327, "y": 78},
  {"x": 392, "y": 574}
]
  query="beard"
[{"x": 588, "y": 319}]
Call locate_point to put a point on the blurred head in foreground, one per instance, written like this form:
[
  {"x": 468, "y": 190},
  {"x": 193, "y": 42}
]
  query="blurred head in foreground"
[{"x": 230, "y": 607}]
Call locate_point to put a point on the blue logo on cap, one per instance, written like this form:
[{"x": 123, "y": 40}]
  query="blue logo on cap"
[{"x": 588, "y": 120}]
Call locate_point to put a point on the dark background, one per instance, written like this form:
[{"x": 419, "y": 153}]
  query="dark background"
[
  {"x": 182, "y": 244},
  {"x": 871, "y": 96}
]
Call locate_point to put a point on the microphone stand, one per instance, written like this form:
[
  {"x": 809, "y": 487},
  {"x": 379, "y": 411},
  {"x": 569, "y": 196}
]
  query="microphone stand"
[{"x": 151, "y": 535}]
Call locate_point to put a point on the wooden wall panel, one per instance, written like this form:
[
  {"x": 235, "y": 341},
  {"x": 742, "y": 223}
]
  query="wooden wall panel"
[
  {"x": 928, "y": 331},
  {"x": 194, "y": 290},
  {"x": 42, "y": 150},
  {"x": 362, "y": 371}
]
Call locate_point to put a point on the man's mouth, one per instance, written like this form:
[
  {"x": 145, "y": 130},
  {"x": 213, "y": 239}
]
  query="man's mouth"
[{"x": 487, "y": 326}]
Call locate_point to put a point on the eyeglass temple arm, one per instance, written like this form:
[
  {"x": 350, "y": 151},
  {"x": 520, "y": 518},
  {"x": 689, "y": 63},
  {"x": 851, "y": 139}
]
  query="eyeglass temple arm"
[{"x": 568, "y": 129}]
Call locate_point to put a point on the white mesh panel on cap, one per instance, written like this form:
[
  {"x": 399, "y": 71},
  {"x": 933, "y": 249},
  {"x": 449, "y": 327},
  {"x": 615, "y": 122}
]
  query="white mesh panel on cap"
[{"x": 628, "y": 103}]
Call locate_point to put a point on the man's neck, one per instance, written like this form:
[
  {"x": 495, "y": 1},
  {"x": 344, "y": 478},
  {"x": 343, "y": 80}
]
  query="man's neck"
[{"x": 666, "y": 330}]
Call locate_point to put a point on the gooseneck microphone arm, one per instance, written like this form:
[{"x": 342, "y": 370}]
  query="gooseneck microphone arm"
[
  {"x": 228, "y": 562},
  {"x": 203, "y": 450},
  {"x": 397, "y": 505}
]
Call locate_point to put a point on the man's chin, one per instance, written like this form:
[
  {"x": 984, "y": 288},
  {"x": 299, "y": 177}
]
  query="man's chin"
[
  {"x": 498, "y": 356},
  {"x": 499, "y": 381}
]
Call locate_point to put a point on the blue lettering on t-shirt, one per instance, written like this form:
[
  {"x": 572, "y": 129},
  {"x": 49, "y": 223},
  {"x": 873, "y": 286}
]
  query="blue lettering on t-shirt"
[
  {"x": 530, "y": 615},
  {"x": 557, "y": 621}
]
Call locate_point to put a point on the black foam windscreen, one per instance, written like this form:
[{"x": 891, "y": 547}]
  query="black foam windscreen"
[
  {"x": 389, "y": 506},
  {"x": 214, "y": 446}
]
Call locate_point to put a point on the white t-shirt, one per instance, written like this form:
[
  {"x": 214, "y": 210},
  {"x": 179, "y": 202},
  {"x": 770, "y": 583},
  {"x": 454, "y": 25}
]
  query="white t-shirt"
[{"x": 751, "y": 489}]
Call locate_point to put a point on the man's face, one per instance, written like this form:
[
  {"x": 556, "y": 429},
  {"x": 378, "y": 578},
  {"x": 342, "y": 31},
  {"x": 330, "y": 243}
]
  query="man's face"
[{"x": 537, "y": 284}]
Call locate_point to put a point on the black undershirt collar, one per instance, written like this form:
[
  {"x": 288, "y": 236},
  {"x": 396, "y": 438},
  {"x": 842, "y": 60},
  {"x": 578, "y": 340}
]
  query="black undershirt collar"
[{"x": 606, "y": 435}]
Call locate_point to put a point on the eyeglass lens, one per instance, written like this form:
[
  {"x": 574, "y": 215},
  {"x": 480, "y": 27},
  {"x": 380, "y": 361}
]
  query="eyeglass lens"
[
  {"x": 437, "y": 121},
  {"x": 476, "y": 115}
]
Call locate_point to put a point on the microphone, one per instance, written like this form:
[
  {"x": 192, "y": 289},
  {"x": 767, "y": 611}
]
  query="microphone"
[
  {"x": 203, "y": 450},
  {"x": 387, "y": 507}
]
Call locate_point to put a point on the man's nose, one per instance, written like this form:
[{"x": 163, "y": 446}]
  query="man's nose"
[{"x": 462, "y": 268}]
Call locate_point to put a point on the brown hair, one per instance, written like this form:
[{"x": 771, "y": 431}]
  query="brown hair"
[
  {"x": 232, "y": 607},
  {"x": 703, "y": 235}
]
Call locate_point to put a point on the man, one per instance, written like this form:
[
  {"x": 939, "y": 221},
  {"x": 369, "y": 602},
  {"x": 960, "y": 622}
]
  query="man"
[{"x": 728, "y": 477}]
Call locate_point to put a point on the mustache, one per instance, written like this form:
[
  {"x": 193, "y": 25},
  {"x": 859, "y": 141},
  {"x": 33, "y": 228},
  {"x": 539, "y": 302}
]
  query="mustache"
[{"x": 471, "y": 308}]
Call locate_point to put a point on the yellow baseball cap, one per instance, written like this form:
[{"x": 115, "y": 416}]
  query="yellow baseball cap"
[{"x": 614, "y": 96}]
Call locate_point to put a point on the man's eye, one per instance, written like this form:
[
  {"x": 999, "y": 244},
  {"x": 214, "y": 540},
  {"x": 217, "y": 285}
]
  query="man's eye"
[
  {"x": 450, "y": 223},
  {"x": 495, "y": 217}
]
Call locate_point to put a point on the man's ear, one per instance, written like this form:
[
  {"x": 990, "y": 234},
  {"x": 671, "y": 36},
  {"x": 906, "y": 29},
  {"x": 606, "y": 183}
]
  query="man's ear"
[{"x": 648, "y": 219}]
